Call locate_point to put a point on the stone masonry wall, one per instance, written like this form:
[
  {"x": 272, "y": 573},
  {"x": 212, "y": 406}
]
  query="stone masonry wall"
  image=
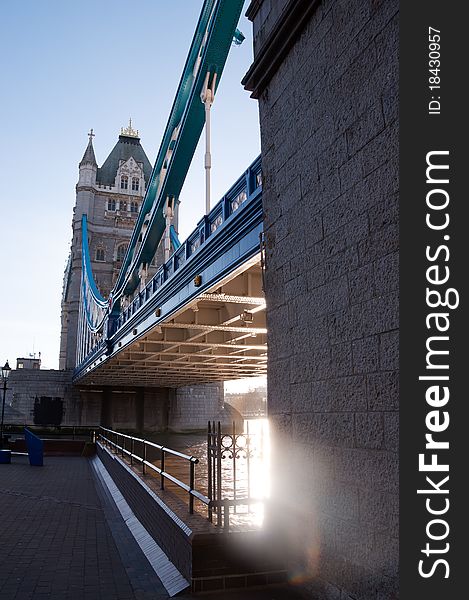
[
  {"x": 191, "y": 407},
  {"x": 329, "y": 134},
  {"x": 149, "y": 409},
  {"x": 25, "y": 385}
]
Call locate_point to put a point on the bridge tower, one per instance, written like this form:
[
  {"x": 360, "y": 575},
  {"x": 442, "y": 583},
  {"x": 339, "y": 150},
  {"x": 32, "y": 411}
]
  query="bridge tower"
[{"x": 110, "y": 196}]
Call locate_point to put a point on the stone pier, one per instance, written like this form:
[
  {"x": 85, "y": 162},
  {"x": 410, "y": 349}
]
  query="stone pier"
[
  {"x": 326, "y": 77},
  {"x": 48, "y": 397}
]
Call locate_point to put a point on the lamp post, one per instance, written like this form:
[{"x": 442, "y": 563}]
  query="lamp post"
[{"x": 5, "y": 371}]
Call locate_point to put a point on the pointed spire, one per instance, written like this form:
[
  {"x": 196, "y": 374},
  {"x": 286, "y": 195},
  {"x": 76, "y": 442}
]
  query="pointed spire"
[{"x": 89, "y": 156}]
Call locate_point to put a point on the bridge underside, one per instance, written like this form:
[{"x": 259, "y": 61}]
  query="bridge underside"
[{"x": 219, "y": 336}]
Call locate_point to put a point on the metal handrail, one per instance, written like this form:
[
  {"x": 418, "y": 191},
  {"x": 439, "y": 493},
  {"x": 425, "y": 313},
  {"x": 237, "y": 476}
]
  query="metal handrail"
[{"x": 122, "y": 437}]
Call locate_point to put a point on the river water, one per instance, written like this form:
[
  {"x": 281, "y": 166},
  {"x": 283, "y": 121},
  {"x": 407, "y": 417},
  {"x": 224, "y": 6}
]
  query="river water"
[{"x": 242, "y": 477}]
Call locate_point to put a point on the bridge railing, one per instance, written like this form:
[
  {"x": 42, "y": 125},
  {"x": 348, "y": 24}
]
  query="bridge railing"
[
  {"x": 124, "y": 445},
  {"x": 243, "y": 190}
]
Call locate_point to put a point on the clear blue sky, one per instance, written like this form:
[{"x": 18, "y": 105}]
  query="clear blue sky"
[{"x": 66, "y": 67}]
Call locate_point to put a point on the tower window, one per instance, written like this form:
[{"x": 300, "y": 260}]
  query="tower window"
[
  {"x": 134, "y": 207},
  {"x": 124, "y": 182},
  {"x": 135, "y": 184},
  {"x": 100, "y": 254},
  {"x": 111, "y": 204},
  {"x": 121, "y": 250}
]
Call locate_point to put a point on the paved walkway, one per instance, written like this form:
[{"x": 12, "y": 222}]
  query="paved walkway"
[
  {"x": 58, "y": 540},
  {"x": 57, "y": 537}
]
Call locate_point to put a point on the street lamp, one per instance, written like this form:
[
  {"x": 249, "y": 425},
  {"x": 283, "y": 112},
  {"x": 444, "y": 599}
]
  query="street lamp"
[{"x": 5, "y": 371}]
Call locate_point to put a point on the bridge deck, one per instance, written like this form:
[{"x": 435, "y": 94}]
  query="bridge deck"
[{"x": 220, "y": 335}]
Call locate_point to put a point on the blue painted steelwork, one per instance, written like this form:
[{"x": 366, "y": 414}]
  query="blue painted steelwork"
[
  {"x": 95, "y": 304},
  {"x": 174, "y": 238},
  {"x": 223, "y": 240},
  {"x": 208, "y": 52}
]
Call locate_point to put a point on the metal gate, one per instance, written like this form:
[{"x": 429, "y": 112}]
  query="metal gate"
[{"x": 226, "y": 452}]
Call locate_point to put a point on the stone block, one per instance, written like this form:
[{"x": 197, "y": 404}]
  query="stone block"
[
  {"x": 378, "y": 244},
  {"x": 383, "y": 391},
  {"x": 377, "y": 315},
  {"x": 369, "y": 430},
  {"x": 387, "y": 273},
  {"x": 301, "y": 398},
  {"x": 311, "y": 335},
  {"x": 339, "y": 212},
  {"x": 347, "y": 394},
  {"x": 341, "y": 359},
  {"x": 319, "y": 193},
  {"x": 380, "y": 510},
  {"x": 367, "y": 127},
  {"x": 330, "y": 297},
  {"x": 389, "y": 351},
  {"x": 387, "y": 41},
  {"x": 384, "y": 214},
  {"x": 310, "y": 366},
  {"x": 366, "y": 354},
  {"x": 384, "y": 146},
  {"x": 330, "y": 429},
  {"x": 391, "y": 431},
  {"x": 351, "y": 172},
  {"x": 362, "y": 284},
  {"x": 332, "y": 157},
  {"x": 341, "y": 263}
]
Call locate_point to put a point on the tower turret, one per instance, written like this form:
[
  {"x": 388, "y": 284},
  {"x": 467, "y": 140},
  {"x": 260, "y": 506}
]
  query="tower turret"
[{"x": 88, "y": 165}]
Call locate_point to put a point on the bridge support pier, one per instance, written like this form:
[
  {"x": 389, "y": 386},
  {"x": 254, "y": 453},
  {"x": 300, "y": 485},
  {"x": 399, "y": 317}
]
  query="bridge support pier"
[
  {"x": 193, "y": 406},
  {"x": 127, "y": 408},
  {"x": 140, "y": 409},
  {"x": 106, "y": 407},
  {"x": 331, "y": 285}
]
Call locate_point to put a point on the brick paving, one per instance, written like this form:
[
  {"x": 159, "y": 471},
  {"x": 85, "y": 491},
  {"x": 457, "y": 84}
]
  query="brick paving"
[{"x": 57, "y": 537}]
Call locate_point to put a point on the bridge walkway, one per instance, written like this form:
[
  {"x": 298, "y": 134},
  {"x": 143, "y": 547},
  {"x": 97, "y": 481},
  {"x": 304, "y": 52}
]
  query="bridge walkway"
[{"x": 58, "y": 537}]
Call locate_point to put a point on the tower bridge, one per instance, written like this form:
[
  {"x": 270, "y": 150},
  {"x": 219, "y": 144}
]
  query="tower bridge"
[
  {"x": 143, "y": 311},
  {"x": 201, "y": 318},
  {"x": 162, "y": 323}
]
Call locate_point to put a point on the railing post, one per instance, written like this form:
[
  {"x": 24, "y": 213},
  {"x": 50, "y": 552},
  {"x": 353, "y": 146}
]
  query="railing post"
[
  {"x": 248, "y": 462},
  {"x": 226, "y": 208},
  {"x": 131, "y": 451},
  {"x": 234, "y": 464},
  {"x": 250, "y": 187},
  {"x": 209, "y": 467},
  {"x": 162, "y": 467},
  {"x": 191, "y": 486},
  {"x": 218, "y": 462},
  {"x": 226, "y": 514},
  {"x": 123, "y": 446},
  {"x": 144, "y": 457}
]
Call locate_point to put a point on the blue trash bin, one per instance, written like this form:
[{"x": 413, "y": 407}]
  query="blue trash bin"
[{"x": 5, "y": 457}]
